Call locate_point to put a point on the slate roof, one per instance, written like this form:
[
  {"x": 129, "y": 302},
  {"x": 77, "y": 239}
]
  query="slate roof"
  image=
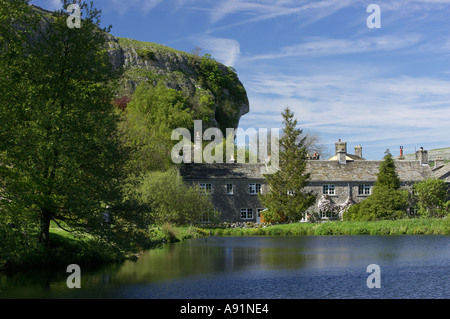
[
  {"x": 321, "y": 171},
  {"x": 223, "y": 171},
  {"x": 365, "y": 171},
  {"x": 442, "y": 172}
]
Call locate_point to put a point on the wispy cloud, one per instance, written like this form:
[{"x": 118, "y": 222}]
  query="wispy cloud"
[
  {"x": 251, "y": 11},
  {"x": 224, "y": 50},
  {"x": 359, "y": 107},
  {"x": 326, "y": 46}
]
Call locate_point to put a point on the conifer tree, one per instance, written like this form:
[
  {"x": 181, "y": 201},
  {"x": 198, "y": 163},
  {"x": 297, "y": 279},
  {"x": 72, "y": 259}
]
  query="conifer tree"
[
  {"x": 286, "y": 197},
  {"x": 387, "y": 201},
  {"x": 387, "y": 176}
]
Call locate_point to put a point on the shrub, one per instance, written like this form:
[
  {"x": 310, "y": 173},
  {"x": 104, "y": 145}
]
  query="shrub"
[{"x": 431, "y": 197}]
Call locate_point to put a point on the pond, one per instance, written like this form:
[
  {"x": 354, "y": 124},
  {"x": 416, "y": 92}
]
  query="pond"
[{"x": 297, "y": 267}]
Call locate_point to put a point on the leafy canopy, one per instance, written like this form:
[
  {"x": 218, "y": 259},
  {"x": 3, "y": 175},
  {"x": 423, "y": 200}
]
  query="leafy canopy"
[
  {"x": 431, "y": 197},
  {"x": 59, "y": 145}
]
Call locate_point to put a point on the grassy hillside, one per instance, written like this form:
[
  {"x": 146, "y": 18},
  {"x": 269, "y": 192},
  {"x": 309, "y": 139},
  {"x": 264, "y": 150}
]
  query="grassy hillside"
[{"x": 432, "y": 155}]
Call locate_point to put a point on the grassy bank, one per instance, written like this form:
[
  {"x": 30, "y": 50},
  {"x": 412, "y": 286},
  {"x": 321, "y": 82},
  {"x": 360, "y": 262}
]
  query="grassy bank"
[
  {"x": 18, "y": 252},
  {"x": 387, "y": 227}
]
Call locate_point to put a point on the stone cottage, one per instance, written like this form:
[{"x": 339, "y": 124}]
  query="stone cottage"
[{"x": 341, "y": 179}]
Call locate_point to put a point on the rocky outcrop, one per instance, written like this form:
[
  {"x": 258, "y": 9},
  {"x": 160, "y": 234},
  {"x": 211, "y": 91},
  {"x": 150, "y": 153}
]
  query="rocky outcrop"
[
  {"x": 203, "y": 81},
  {"x": 210, "y": 87}
]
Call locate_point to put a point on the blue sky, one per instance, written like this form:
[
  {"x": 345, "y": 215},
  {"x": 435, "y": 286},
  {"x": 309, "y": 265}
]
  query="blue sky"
[{"x": 377, "y": 87}]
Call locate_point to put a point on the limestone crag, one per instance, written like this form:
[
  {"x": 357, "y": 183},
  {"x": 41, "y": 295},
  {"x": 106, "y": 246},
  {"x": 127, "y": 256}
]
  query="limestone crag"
[{"x": 145, "y": 61}]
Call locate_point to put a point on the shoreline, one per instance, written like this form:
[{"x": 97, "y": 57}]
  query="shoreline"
[
  {"x": 383, "y": 227},
  {"x": 87, "y": 253}
]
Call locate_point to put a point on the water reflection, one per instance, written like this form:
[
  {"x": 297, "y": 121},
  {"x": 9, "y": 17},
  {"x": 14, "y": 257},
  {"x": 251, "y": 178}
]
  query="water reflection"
[{"x": 259, "y": 267}]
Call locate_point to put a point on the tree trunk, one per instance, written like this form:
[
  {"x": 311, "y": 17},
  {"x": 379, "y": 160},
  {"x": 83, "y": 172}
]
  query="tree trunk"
[{"x": 44, "y": 236}]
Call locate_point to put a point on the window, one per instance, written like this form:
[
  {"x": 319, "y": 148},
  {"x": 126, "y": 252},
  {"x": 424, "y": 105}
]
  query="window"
[
  {"x": 328, "y": 189},
  {"x": 204, "y": 218},
  {"x": 328, "y": 214},
  {"x": 205, "y": 188},
  {"x": 246, "y": 213},
  {"x": 229, "y": 189},
  {"x": 208, "y": 217},
  {"x": 254, "y": 188},
  {"x": 364, "y": 189}
]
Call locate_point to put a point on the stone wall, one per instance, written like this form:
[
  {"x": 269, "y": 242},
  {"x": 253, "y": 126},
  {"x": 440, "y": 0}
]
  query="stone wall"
[{"x": 230, "y": 205}]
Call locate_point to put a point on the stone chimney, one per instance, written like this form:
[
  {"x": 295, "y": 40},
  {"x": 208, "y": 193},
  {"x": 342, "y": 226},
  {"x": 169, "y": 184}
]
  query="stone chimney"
[
  {"x": 358, "y": 150},
  {"x": 401, "y": 157},
  {"x": 341, "y": 151},
  {"x": 422, "y": 156},
  {"x": 438, "y": 162}
]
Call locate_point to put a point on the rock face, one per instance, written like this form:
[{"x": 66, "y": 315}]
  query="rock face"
[{"x": 202, "y": 80}]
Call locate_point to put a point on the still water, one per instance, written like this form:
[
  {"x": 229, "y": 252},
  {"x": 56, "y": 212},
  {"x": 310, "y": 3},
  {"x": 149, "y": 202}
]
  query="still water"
[{"x": 260, "y": 267}]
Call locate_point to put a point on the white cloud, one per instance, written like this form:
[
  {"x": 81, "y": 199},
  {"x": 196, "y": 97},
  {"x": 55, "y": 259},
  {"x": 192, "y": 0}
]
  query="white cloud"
[
  {"x": 223, "y": 50},
  {"x": 373, "y": 110},
  {"x": 326, "y": 46},
  {"x": 251, "y": 11}
]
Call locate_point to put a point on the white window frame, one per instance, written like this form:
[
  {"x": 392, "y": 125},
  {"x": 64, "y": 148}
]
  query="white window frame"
[
  {"x": 205, "y": 188},
  {"x": 254, "y": 188},
  {"x": 327, "y": 214},
  {"x": 364, "y": 189},
  {"x": 247, "y": 213},
  {"x": 329, "y": 189},
  {"x": 227, "y": 190},
  {"x": 204, "y": 218}
]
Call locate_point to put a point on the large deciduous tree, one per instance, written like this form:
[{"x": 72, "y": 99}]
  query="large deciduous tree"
[{"x": 61, "y": 155}]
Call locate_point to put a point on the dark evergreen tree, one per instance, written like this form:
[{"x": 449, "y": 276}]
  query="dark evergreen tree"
[
  {"x": 387, "y": 201},
  {"x": 387, "y": 176},
  {"x": 286, "y": 196}
]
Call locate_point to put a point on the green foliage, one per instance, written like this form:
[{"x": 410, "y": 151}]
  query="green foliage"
[
  {"x": 286, "y": 197},
  {"x": 431, "y": 226},
  {"x": 224, "y": 85},
  {"x": 146, "y": 54},
  {"x": 387, "y": 175},
  {"x": 171, "y": 200},
  {"x": 431, "y": 197},
  {"x": 60, "y": 150},
  {"x": 387, "y": 200},
  {"x": 213, "y": 76},
  {"x": 151, "y": 116},
  {"x": 384, "y": 203}
]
